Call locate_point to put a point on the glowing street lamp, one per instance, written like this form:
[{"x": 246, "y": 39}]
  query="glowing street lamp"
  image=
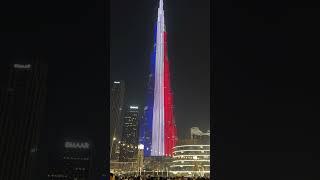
[
  {"x": 140, "y": 146},
  {"x": 113, "y": 139}
]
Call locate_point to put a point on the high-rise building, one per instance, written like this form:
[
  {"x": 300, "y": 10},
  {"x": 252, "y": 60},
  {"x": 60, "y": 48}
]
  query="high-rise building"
[
  {"x": 159, "y": 117},
  {"x": 22, "y": 110},
  {"x": 129, "y": 140},
  {"x": 116, "y": 105},
  {"x": 77, "y": 160}
]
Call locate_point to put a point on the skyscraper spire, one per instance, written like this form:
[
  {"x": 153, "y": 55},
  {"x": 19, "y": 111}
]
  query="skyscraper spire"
[
  {"x": 159, "y": 115},
  {"x": 161, "y": 5}
]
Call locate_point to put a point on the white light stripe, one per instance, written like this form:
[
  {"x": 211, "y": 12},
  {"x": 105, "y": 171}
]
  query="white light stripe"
[
  {"x": 192, "y": 150},
  {"x": 190, "y": 155},
  {"x": 189, "y": 171},
  {"x": 186, "y": 165},
  {"x": 158, "y": 109},
  {"x": 192, "y": 145},
  {"x": 181, "y": 165},
  {"x": 190, "y": 160}
]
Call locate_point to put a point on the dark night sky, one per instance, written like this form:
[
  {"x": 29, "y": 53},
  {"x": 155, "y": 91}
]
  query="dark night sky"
[
  {"x": 266, "y": 90},
  {"x": 188, "y": 27}
]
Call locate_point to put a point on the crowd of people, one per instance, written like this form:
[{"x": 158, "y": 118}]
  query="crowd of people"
[{"x": 114, "y": 177}]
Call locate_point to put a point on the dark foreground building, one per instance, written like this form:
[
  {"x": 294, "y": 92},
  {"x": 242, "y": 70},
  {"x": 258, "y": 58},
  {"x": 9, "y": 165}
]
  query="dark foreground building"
[
  {"x": 77, "y": 160},
  {"x": 116, "y": 105},
  {"x": 22, "y": 110}
]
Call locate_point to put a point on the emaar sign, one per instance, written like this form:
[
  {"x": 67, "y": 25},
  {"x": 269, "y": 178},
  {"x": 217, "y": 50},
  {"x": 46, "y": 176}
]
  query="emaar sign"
[
  {"x": 76, "y": 145},
  {"x": 22, "y": 66}
]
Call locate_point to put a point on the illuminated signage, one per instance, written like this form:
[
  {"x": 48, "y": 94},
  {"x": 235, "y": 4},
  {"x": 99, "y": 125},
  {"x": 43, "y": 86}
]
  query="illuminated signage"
[
  {"x": 76, "y": 145},
  {"x": 134, "y": 107},
  {"x": 116, "y": 82},
  {"x": 22, "y": 66}
]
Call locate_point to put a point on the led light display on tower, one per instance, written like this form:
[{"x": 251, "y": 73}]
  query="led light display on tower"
[{"x": 158, "y": 130}]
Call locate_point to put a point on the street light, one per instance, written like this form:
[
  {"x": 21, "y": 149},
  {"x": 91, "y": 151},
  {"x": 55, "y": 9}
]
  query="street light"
[{"x": 111, "y": 152}]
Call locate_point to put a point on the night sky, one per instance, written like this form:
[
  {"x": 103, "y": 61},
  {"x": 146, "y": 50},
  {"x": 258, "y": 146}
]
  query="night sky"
[
  {"x": 131, "y": 42},
  {"x": 266, "y": 90}
]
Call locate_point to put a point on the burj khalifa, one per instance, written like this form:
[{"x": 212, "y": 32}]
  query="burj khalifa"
[{"x": 158, "y": 129}]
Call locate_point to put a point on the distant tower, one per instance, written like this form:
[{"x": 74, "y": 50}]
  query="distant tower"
[
  {"x": 129, "y": 140},
  {"x": 22, "y": 110},
  {"x": 116, "y": 105},
  {"x": 158, "y": 133}
]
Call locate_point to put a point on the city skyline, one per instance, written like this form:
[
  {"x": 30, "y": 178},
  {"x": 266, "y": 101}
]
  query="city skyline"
[
  {"x": 189, "y": 81},
  {"x": 264, "y": 74},
  {"x": 73, "y": 45}
]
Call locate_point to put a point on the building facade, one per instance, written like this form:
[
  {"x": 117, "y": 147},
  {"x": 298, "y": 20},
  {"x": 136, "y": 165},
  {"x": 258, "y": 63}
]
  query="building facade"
[
  {"x": 77, "y": 160},
  {"x": 159, "y": 116},
  {"x": 129, "y": 138},
  {"x": 22, "y": 110},
  {"x": 116, "y": 105},
  {"x": 191, "y": 157}
]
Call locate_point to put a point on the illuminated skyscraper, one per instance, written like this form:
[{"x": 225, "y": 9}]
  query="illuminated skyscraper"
[
  {"x": 129, "y": 140},
  {"x": 116, "y": 105},
  {"x": 158, "y": 130}
]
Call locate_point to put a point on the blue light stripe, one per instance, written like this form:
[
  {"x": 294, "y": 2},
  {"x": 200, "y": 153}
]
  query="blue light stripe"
[{"x": 146, "y": 128}]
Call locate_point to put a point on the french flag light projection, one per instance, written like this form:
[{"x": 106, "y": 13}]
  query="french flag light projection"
[{"x": 158, "y": 133}]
